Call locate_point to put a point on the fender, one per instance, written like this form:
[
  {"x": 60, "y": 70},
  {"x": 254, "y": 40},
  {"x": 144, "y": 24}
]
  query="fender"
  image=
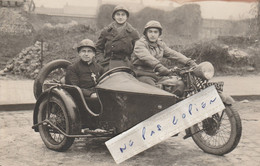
[
  {"x": 69, "y": 104},
  {"x": 227, "y": 99}
]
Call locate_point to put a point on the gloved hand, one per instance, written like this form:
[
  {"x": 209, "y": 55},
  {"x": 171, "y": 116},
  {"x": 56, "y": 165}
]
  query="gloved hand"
[
  {"x": 162, "y": 70},
  {"x": 191, "y": 63}
]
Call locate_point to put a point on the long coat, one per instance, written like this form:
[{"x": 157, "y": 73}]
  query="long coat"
[
  {"x": 115, "y": 45},
  {"x": 147, "y": 55}
]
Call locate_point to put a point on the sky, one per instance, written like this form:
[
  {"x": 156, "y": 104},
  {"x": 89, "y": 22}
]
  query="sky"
[
  {"x": 209, "y": 9},
  {"x": 234, "y": 10}
]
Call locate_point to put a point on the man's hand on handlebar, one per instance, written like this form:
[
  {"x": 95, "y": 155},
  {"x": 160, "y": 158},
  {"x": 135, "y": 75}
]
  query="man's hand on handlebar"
[
  {"x": 175, "y": 69},
  {"x": 162, "y": 70},
  {"x": 191, "y": 64}
]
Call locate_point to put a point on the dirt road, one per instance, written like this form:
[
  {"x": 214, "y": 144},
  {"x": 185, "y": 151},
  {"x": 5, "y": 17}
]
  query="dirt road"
[{"x": 20, "y": 145}]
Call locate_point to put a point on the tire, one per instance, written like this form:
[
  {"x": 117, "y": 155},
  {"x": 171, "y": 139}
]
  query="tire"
[
  {"x": 46, "y": 71},
  {"x": 52, "y": 138},
  {"x": 213, "y": 132}
]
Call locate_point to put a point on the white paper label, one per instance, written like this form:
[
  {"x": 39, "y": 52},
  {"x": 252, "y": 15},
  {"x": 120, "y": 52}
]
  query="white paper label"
[{"x": 165, "y": 124}]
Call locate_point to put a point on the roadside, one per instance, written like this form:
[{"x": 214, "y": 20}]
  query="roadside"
[
  {"x": 17, "y": 93},
  {"x": 241, "y": 87}
]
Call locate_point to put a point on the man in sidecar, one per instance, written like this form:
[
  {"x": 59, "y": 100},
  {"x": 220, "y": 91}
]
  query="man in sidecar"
[
  {"x": 85, "y": 72},
  {"x": 148, "y": 53}
]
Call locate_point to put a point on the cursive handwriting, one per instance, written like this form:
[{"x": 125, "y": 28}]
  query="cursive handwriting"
[{"x": 192, "y": 109}]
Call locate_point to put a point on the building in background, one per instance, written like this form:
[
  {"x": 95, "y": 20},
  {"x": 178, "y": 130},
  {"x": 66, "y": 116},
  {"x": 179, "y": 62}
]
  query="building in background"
[
  {"x": 69, "y": 11},
  {"x": 92, "y": 11},
  {"x": 212, "y": 28}
]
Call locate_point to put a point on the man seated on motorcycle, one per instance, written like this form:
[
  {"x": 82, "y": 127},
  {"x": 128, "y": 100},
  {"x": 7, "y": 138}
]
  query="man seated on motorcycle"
[
  {"x": 148, "y": 53},
  {"x": 85, "y": 72}
]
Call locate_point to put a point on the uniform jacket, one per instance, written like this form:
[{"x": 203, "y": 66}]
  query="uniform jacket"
[
  {"x": 116, "y": 45},
  {"x": 82, "y": 74},
  {"x": 147, "y": 55}
]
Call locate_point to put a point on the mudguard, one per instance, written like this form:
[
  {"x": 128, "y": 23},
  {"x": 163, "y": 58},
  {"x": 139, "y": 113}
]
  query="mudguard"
[
  {"x": 227, "y": 99},
  {"x": 70, "y": 105}
]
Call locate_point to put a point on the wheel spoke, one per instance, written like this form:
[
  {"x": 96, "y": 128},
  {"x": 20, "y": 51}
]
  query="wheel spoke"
[
  {"x": 224, "y": 139},
  {"x": 56, "y": 116},
  {"x": 218, "y": 134},
  {"x": 222, "y": 130}
]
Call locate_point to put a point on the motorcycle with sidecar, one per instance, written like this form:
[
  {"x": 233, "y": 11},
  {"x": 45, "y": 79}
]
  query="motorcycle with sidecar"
[{"x": 62, "y": 113}]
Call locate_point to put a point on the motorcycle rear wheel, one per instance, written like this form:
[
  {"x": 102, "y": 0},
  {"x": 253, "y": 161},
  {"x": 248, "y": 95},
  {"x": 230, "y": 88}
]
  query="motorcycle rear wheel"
[
  {"x": 52, "y": 138},
  {"x": 219, "y": 134}
]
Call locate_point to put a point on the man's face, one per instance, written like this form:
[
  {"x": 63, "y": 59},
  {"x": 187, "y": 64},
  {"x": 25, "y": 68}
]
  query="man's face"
[
  {"x": 120, "y": 17},
  {"x": 153, "y": 34},
  {"x": 86, "y": 54}
]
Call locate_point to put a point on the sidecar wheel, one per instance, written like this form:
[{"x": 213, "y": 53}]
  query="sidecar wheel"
[
  {"x": 57, "y": 114},
  {"x": 52, "y": 72},
  {"x": 216, "y": 137}
]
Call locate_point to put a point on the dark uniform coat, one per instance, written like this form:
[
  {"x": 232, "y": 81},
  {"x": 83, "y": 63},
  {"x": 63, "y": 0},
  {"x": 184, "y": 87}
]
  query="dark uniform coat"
[
  {"x": 114, "y": 45},
  {"x": 84, "y": 75}
]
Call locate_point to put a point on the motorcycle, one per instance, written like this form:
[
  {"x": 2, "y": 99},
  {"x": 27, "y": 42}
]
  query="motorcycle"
[{"x": 62, "y": 113}]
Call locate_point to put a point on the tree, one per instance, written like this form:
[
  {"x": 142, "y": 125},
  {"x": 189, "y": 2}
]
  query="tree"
[{"x": 254, "y": 22}]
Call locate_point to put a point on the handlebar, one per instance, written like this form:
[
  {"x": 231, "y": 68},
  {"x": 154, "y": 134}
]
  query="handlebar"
[
  {"x": 183, "y": 70},
  {"x": 179, "y": 71},
  {"x": 156, "y": 75}
]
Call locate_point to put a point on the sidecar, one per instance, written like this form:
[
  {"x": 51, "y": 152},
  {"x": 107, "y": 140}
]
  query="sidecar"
[{"x": 62, "y": 113}]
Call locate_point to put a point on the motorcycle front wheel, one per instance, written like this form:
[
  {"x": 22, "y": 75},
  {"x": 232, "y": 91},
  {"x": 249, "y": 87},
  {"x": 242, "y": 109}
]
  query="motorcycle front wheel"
[
  {"x": 219, "y": 134},
  {"x": 54, "y": 111}
]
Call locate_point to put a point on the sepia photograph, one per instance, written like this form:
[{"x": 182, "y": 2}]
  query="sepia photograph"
[{"x": 129, "y": 82}]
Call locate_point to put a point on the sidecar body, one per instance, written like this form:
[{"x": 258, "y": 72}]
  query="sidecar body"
[
  {"x": 122, "y": 102},
  {"x": 62, "y": 113},
  {"x": 126, "y": 101}
]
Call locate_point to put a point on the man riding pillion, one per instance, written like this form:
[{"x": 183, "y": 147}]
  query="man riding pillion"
[
  {"x": 148, "y": 53},
  {"x": 85, "y": 72},
  {"x": 116, "y": 41}
]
